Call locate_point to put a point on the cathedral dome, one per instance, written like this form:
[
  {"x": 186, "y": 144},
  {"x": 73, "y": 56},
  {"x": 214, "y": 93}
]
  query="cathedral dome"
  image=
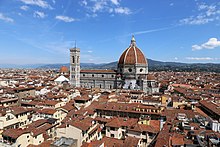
[
  {"x": 64, "y": 69},
  {"x": 132, "y": 55}
]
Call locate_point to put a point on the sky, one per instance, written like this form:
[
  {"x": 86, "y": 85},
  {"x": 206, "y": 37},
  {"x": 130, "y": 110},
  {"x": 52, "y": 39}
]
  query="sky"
[{"x": 42, "y": 31}]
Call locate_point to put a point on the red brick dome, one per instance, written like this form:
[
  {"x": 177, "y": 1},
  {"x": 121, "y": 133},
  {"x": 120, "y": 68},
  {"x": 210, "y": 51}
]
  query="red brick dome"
[
  {"x": 132, "y": 55},
  {"x": 64, "y": 69}
]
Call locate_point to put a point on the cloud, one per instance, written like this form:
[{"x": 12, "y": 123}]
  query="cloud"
[
  {"x": 198, "y": 20},
  {"x": 84, "y": 3},
  {"x": 206, "y": 14},
  {"x": 137, "y": 33},
  {"x": 39, "y": 14},
  {"x": 39, "y": 3},
  {"x": 123, "y": 10},
  {"x": 65, "y": 18},
  {"x": 210, "y": 44},
  {"x": 25, "y": 8},
  {"x": 116, "y": 2},
  {"x": 99, "y": 5},
  {"x": 171, "y": 4},
  {"x": 202, "y": 58},
  {"x": 90, "y": 51},
  {"x": 5, "y": 18},
  {"x": 150, "y": 31},
  {"x": 93, "y": 7}
]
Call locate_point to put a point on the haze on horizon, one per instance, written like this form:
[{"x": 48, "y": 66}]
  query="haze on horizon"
[{"x": 40, "y": 31}]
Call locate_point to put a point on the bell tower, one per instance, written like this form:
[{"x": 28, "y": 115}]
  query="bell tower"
[{"x": 75, "y": 67}]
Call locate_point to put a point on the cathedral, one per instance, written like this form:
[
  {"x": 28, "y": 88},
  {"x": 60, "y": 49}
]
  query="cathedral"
[{"x": 131, "y": 73}]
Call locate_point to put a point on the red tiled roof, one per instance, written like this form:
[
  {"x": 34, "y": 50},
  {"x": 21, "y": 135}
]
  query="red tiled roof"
[
  {"x": 15, "y": 133},
  {"x": 107, "y": 141},
  {"x": 131, "y": 142},
  {"x": 143, "y": 128},
  {"x": 211, "y": 106},
  {"x": 127, "y": 107},
  {"x": 163, "y": 137},
  {"x": 68, "y": 107},
  {"x": 51, "y": 103},
  {"x": 119, "y": 122},
  {"x": 47, "y": 111},
  {"x": 19, "y": 110},
  {"x": 83, "y": 98},
  {"x": 83, "y": 124},
  {"x": 112, "y": 142},
  {"x": 177, "y": 140}
]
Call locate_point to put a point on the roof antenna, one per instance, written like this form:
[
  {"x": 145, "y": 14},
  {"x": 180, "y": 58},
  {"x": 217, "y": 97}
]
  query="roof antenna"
[{"x": 75, "y": 43}]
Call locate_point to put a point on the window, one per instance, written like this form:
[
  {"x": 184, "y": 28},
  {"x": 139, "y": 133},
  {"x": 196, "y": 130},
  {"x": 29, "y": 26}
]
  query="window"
[
  {"x": 73, "y": 58},
  {"x": 83, "y": 75},
  {"x": 77, "y": 59},
  {"x": 28, "y": 136},
  {"x": 112, "y": 76},
  {"x": 102, "y": 75},
  {"x": 130, "y": 70},
  {"x": 141, "y": 70},
  {"x": 112, "y": 135},
  {"x": 92, "y": 75}
]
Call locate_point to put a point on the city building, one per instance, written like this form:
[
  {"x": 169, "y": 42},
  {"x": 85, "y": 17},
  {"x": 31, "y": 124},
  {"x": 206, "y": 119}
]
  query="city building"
[{"x": 131, "y": 73}]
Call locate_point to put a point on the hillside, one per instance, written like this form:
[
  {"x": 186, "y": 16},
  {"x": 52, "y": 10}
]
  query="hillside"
[{"x": 153, "y": 66}]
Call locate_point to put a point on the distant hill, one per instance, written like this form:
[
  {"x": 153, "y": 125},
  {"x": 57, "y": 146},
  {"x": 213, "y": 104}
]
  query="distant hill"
[
  {"x": 153, "y": 66},
  {"x": 26, "y": 66}
]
